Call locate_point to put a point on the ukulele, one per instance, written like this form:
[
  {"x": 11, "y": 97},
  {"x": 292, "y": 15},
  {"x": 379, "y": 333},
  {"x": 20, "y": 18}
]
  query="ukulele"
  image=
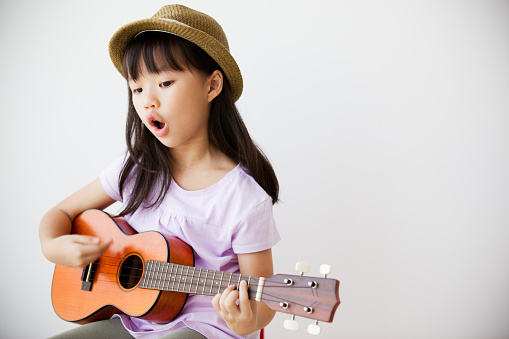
[{"x": 149, "y": 275}]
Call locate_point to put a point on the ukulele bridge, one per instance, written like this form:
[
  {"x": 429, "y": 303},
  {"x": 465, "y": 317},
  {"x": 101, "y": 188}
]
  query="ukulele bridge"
[{"x": 87, "y": 277}]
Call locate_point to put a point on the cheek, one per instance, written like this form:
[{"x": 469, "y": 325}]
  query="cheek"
[
  {"x": 138, "y": 110},
  {"x": 134, "y": 101},
  {"x": 137, "y": 103}
]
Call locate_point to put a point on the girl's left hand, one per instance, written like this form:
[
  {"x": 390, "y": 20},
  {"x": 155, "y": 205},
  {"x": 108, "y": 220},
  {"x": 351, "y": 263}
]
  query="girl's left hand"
[{"x": 240, "y": 318}]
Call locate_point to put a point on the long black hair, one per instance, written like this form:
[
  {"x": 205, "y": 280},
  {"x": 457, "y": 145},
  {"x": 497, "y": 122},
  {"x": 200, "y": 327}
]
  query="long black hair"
[{"x": 148, "y": 162}]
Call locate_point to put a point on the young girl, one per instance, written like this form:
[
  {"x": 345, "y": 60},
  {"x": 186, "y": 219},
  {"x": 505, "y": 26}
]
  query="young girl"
[{"x": 191, "y": 171}]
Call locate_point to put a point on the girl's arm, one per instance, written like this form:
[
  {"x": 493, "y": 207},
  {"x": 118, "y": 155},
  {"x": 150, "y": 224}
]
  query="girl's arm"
[
  {"x": 57, "y": 244},
  {"x": 248, "y": 316}
]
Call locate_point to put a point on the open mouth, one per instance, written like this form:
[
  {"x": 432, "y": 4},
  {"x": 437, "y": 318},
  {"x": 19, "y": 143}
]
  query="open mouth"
[
  {"x": 157, "y": 124},
  {"x": 159, "y": 128}
]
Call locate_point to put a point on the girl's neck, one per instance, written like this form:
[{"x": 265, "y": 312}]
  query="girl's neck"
[
  {"x": 201, "y": 155},
  {"x": 198, "y": 168}
]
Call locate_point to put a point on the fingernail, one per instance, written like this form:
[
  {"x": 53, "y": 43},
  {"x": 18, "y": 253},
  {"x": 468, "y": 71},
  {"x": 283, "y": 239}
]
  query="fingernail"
[{"x": 95, "y": 240}]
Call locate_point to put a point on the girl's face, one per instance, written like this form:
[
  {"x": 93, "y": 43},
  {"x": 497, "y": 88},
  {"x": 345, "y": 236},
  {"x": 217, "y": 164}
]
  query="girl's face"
[{"x": 175, "y": 105}]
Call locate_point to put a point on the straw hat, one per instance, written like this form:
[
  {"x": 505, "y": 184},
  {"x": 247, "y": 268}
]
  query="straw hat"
[{"x": 199, "y": 28}]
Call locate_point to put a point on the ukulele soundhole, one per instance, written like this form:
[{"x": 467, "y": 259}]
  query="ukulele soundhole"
[{"x": 131, "y": 271}]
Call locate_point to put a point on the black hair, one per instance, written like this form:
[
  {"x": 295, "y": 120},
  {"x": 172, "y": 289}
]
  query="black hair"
[{"x": 148, "y": 161}]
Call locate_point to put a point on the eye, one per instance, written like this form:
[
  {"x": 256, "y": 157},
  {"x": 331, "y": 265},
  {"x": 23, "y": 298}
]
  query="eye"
[
  {"x": 137, "y": 90},
  {"x": 166, "y": 84}
]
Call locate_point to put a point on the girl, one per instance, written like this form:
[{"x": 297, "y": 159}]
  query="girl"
[{"x": 191, "y": 171}]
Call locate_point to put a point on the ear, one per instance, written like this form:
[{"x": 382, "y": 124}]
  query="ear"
[{"x": 215, "y": 84}]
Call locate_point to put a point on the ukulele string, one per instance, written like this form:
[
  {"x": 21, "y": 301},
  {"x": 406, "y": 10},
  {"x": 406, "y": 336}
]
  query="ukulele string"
[
  {"x": 207, "y": 271},
  {"x": 251, "y": 293},
  {"x": 193, "y": 275},
  {"x": 164, "y": 278},
  {"x": 204, "y": 279},
  {"x": 208, "y": 275},
  {"x": 186, "y": 287},
  {"x": 183, "y": 276}
]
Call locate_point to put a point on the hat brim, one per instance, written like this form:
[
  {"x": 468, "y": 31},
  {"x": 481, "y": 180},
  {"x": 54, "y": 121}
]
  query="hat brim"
[{"x": 210, "y": 45}]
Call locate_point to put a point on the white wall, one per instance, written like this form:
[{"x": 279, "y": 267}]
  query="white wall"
[{"x": 387, "y": 123}]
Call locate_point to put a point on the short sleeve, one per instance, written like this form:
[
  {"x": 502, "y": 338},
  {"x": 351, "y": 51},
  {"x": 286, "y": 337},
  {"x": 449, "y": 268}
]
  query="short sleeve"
[
  {"x": 257, "y": 231},
  {"x": 109, "y": 178}
]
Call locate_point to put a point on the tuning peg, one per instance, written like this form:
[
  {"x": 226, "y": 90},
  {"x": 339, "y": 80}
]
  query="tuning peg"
[
  {"x": 314, "y": 329},
  {"x": 302, "y": 267},
  {"x": 291, "y": 324},
  {"x": 325, "y": 270}
]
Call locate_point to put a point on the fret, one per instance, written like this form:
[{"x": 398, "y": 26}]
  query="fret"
[
  {"x": 174, "y": 277},
  {"x": 221, "y": 283},
  {"x": 164, "y": 274},
  {"x": 185, "y": 279},
  {"x": 168, "y": 277},
  {"x": 152, "y": 274},
  {"x": 230, "y": 280},
  {"x": 251, "y": 287},
  {"x": 197, "y": 282},
  {"x": 212, "y": 282},
  {"x": 205, "y": 281},
  {"x": 180, "y": 277},
  {"x": 238, "y": 283},
  {"x": 149, "y": 274},
  {"x": 158, "y": 275},
  {"x": 192, "y": 276},
  {"x": 163, "y": 277},
  {"x": 151, "y": 281}
]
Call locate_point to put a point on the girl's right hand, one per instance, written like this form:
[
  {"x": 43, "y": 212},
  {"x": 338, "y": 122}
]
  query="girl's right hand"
[
  {"x": 75, "y": 250},
  {"x": 61, "y": 247}
]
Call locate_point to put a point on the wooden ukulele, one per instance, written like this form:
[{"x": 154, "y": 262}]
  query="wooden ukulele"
[{"x": 149, "y": 275}]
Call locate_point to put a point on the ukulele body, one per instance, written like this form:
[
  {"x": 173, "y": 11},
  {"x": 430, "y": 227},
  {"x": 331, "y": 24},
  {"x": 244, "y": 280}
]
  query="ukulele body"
[{"x": 110, "y": 285}]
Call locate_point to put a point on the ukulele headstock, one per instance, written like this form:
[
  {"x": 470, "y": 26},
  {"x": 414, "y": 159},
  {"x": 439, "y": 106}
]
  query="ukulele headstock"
[{"x": 315, "y": 298}]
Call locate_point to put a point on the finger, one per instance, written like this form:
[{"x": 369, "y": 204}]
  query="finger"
[
  {"x": 244, "y": 303},
  {"x": 230, "y": 302},
  {"x": 104, "y": 244},
  {"x": 98, "y": 248},
  {"x": 224, "y": 296},
  {"x": 222, "y": 301},
  {"x": 215, "y": 302},
  {"x": 85, "y": 239},
  {"x": 90, "y": 253}
]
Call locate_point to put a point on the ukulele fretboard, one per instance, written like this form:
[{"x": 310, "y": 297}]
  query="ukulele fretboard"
[{"x": 163, "y": 276}]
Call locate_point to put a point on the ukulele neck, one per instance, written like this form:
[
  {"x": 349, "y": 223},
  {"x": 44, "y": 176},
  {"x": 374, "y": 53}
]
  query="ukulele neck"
[{"x": 164, "y": 276}]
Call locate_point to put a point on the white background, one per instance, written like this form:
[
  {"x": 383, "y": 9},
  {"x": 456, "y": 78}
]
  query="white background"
[{"x": 386, "y": 121}]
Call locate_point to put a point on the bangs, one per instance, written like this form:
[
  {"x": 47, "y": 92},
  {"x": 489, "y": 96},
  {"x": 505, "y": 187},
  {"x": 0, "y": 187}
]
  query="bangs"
[{"x": 160, "y": 52}]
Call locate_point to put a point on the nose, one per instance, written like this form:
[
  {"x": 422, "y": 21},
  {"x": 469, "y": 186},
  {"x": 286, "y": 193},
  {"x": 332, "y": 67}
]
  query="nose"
[{"x": 150, "y": 99}]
